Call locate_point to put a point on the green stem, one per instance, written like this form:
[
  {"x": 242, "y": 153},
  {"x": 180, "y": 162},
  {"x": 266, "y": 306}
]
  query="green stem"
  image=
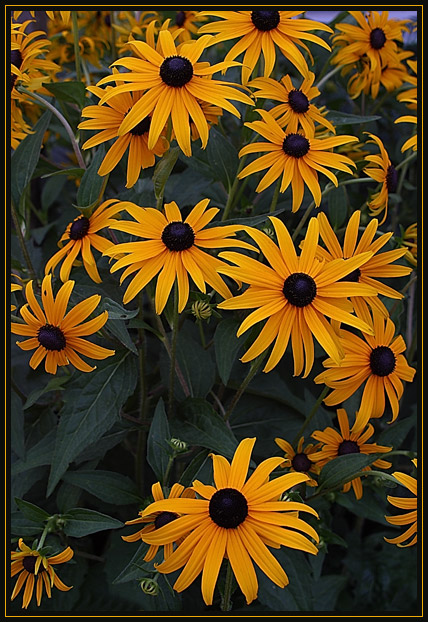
[
  {"x": 63, "y": 121},
  {"x": 327, "y": 77},
  {"x": 329, "y": 187},
  {"x": 173, "y": 350},
  {"x": 310, "y": 416},
  {"x": 231, "y": 197},
  {"x": 113, "y": 36},
  {"x": 254, "y": 368},
  {"x": 226, "y": 603},
  {"x": 43, "y": 537},
  {"x": 275, "y": 196},
  {"x": 168, "y": 469},
  {"x": 410, "y": 324},
  {"x": 202, "y": 334},
  {"x": 407, "y": 160},
  {"x": 85, "y": 71},
  {"x": 142, "y": 432},
  {"x": 21, "y": 241},
  {"x": 76, "y": 45},
  {"x": 403, "y": 291}
]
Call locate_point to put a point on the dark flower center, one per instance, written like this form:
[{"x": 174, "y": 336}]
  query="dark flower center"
[
  {"x": 296, "y": 145},
  {"x": 15, "y": 59},
  {"x": 348, "y": 447},
  {"x": 352, "y": 277},
  {"x": 180, "y": 18},
  {"x": 29, "y": 563},
  {"x": 107, "y": 20},
  {"x": 228, "y": 508},
  {"x": 377, "y": 38},
  {"x": 79, "y": 228},
  {"x": 142, "y": 127},
  {"x": 382, "y": 361},
  {"x": 164, "y": 518},
  {"x": 178, "y": 236},
  {"x": 265, "y": 20},
  {"x": 301, "y": 462},
  {"x": 391, "y": 178},
  {"x": 298, "y": 101},
  {"x": 299, "y": 289},
  {"x": 176, "y": 71},
  {"x": 51, "y": 337}
]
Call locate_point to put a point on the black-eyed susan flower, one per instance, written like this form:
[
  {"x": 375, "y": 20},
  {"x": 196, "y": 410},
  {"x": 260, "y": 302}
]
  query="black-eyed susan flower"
[
  {"x": 107, "y": 119},
  {"x": 299, "y": 460},
  {"x": 374, "y": 37},
  {"x": 377, "y": 362},
  {"x": 383, "y": 172},
  {"x": 55, "y": 335},
  {"x": 295, "y": 110},
  {"x": 295, "y": 156},
  {"x": 405, "y": 503},
  {"x": 261, "y": 31},
  {"x": 36, "y": 571},
  {"x": 187, "y": 22},
  {"x": 234, "y": 518},
  {"x": 28, "y": 64},
  {"x": 296, "y": 295},
  {"x": 174, "y": 82},
  {"x": 410, "y": 95},
  {"x": 412, "y": 142},
  {"x": 410, "y": 242},
  {"x": 378, "y": 266},
  {"x": 19, "y": 128},
  {"x": 174, "y": 248},
  {"x": 135, "y": 25},
  {"x": 157, "y": 520},
  {"x": 78, "y": 239},
  {"x": 393, "y": 75},
  {"x": 65, "y": 15},
  {"x": 348, "y": 441}
]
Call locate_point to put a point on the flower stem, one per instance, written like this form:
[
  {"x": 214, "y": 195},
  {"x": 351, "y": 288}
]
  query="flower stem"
[
  {"x": 142, "y": 432},
  {"x": 43, "y": 537},
  {"x": 327, "y": 77},
  {"x": 21, "y": 241},
  {"x": 63, "y": 121},
  {"x": 407, "y": 160},
  {"x": 310, "y": 416},
  {"x": 275, "y": 196},
  {"x": 76, "y": 46},
  {"x": 254, "y": 368},
  {"x": 226, "y": 603},
  {"x": 201, "y": 333},
  {"x": 173, "y": 350}
]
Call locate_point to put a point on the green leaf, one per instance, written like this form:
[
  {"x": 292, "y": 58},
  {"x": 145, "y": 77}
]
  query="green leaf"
[
  {"x": 92, "y": 405},
  {"x": 51, "y": 191},
  {"x": 219, "y": 160},
  {"x": 105, "y": 485},
  {"x": 343, "y": 469},
  {"x": 97, "y": 450},
  {"x": 116, "y": 326},
  {"x": 344, "y": 118},
  {"x": 250, "y": 221},
  {"x": 72, "y": 172},
  {"x": 158, "y": 448},
  {"x": 338, "y": 206},
  {"x": 39, "y": 455},
  {"x": 91, "y": 184},
  {"x": 196, "y": 364},
  {"x": 369, "y": 507},
  {"x": 227, "y": 347},
  {"x": 31, "y": 511},
  {"x": 132, "y": 571},
  {"x": 395, "y": 434},
  {"x": 193, "y": 467},
  {"x": 55, "y": 384},
  {"x": 82, "y": 522},
  {"x": 17, "y": 438},
  {"x": 202, "y": 426},
  {"x": 74, "y": 92},
  {"x": 163, "y": 170},
  {"x": 326, "y": 591},
  {"x": 21, "y": 526},
  {"x": 116, "y": 311},
  {"x": 26, "y": 156}
]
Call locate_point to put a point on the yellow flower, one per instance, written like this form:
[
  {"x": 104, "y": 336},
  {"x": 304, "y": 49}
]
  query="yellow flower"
[
  {"x": 296, "y": 294},
  {"x": 261, "y": 31},
  {"x": 405, "y": 503},
  {"x": 295, "y": 156},
  {"x": 173, "y": 248},
  {"x": 383, "y": 172},
  {"x": 299, "y": 460},
  {"x": 55, "y": 335},
  {"x": 36, "y": 571},
  {"x": 410, "y": 241},
  {"x": 234, "y": 518},
  {"x": 348, "y": 441},
  {"x": 186, "y": 22}
]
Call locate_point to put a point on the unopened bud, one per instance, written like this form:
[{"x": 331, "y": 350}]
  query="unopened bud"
[
  {"x": 177, "y": 445},
  {"x": 201, "y": 310},
  {"x": 150, "y": 587}
]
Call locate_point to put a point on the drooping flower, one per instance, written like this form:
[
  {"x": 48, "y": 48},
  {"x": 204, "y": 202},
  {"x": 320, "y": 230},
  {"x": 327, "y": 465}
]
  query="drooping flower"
[
  {"x": 15, "y": 287},
  {"x": 78, "y": 239},
  {"x": 261, "y": 31},
  {"x": 295, "y": 156},
  {"x": 174, "y": 248},
  {"x": 377, "y": 361},
  {"x": 362, "y": 79},
  {"x": 174, "y": 82},
  {"x": 410, "y": 242},
  {"x": 384, "y": 172},
  {"x": 412, "y": 142},
  {"x": 187, "y": 22},
  {"x": 234, "y": 518},
  {"x": 157, "y": 520},
  {"x": 378, "y": 266},
  {"x": 299, "y": 460},
  {"x": 36, "y": 571},
  {"x": 56, "y": 335},
  {"x": 348, "y": 441},
  {"x": 295, "y": 110},
  {"x": 405, "y": 503},
  {"x": 296, "y": 295}
]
